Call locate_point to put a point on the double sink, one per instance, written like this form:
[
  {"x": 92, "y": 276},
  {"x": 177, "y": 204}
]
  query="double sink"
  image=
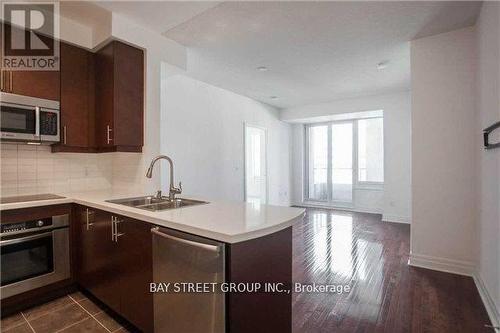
[{"x": 153, "y": 204}]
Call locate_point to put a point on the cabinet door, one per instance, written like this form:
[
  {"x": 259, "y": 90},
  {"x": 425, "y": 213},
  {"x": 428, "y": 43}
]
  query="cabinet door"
[
  {"x": 74, "y": 96},
  {"x": 98, "y": 265},
  {"x": 4, "y": 83},
  {"x": 128, "y": 95},
  {"x": 41, "y": 84},
  {"x": 136, "y": 272},
  {"x": 104, "y": 83}
]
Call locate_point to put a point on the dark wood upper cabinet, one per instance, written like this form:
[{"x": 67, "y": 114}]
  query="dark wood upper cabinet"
[
  {"x": 41, "y": 84},
  {"x": 77, "y": 102},
  {"x": 101, "y": 95},
  {"x": 119, "y": 94}
]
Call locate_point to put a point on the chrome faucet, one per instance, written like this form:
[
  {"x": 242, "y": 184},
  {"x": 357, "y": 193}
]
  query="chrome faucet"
[{"x": 172, "y": 190}]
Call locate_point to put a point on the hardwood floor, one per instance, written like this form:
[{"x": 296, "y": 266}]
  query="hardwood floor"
[
  {"x": 387, "y": 295},
  {"x": 329, "y": 247}
]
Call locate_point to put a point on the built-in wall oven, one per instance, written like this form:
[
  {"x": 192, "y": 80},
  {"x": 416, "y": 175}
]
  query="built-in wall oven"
[
  {"x": 29, "y": 119},
  {"x": 34, "y": 254}
]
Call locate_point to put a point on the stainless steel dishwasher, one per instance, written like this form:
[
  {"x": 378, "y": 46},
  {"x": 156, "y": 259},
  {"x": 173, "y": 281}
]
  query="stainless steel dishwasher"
[{"x": 183, "y": 258}]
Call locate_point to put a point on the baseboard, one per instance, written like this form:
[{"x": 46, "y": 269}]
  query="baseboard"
[
  {"x": 489, "y": 304},
  {"x": 395, "y": 219},
  {"x": 442, "y": 264},
  {"x": 326, "y": 206}
]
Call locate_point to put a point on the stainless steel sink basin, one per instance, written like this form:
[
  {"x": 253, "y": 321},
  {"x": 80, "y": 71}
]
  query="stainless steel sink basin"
[{"x": 154, "y": 204}]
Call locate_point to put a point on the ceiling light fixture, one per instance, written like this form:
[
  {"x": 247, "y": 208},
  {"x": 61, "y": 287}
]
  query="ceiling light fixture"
[
  {"x": 262, "y": 69},
  {"x": 383, "y": 65}
]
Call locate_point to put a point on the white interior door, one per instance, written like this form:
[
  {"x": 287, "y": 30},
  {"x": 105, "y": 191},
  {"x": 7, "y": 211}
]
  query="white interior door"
[{"x": 255, "y": 164}]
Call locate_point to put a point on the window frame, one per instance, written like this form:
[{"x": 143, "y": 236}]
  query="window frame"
[
  {"x": 356, "y": 183},
  {"x": 365, "y": 184}
]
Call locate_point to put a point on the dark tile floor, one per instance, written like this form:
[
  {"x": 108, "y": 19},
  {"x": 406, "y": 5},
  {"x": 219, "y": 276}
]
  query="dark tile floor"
[{"x": 71, "y": 313}]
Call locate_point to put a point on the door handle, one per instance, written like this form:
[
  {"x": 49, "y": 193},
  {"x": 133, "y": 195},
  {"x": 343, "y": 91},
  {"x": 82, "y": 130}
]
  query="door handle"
[
  {"x": 108, "y": 132},
  {"x": 1, "y": 80}
]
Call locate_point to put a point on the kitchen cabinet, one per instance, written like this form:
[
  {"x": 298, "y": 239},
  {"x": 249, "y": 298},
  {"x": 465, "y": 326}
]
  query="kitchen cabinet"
[
  {"x": 136, "y": 273},
  {"x": 119, "y": 93},
  {"x": 97, "y": 256},
  {"x": 41, "y": 84},
  {"x": 77, "y": 102},
  {"x": 115, "y": 263}
]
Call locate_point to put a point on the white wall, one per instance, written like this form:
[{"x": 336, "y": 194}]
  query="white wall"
[
  {"x": 488, "y": 30},
  {"x": 202, "y": 131},
  {"x": 444, "y": 151},
  {"x": 130, "y": 168},
  {"x": 394, "y": 200}
]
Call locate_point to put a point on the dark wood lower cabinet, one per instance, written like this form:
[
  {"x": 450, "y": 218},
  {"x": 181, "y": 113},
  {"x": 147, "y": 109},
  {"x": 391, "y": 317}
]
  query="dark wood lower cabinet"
[
  {"x": 97, "y": 261},
  {"x": 266, "y": 259},
  {"x": 116, "y": 271},
  {"x": 136, "y": 273}
]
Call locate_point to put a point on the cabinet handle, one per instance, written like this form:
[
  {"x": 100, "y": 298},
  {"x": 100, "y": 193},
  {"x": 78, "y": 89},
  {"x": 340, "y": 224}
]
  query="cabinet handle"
[
  {"x": 37, "y": 121},
  {"x": 88, "y": 213},
  {"x": 1, "y": 80},
  {"x": 64, "y": 134},
  {"x": 117, "y": 233},
  {"x": 114, "y": 229},
  {"x": 10, "y": 80},
  {"x": 108, "y": 132}
]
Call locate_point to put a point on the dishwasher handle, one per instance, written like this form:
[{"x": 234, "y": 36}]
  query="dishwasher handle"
[{"x": 208, "y": 247}]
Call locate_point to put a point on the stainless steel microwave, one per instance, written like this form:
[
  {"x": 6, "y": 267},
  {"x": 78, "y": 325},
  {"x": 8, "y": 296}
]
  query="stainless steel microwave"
[{"x": 29, "y": 119}]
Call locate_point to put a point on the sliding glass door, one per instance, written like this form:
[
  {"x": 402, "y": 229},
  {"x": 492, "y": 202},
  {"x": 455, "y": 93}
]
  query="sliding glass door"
[
  {"x": 329, "y": 166},
  {"x": 343, "y": 155},
  {"x": 342, "y": 162},
  {"x": 318, "y": 162}
]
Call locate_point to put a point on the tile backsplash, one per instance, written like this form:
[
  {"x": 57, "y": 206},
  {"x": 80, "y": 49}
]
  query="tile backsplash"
[{"x": 34, "y": 169}]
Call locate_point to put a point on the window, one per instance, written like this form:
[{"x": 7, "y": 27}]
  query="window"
[
  {"x": 371, "y": 150},
  {"x": 342, "y": 154}
]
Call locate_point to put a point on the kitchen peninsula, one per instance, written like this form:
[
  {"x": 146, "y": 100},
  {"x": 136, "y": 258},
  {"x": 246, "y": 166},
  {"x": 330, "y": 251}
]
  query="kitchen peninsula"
[{"x": 117, "y": 251}]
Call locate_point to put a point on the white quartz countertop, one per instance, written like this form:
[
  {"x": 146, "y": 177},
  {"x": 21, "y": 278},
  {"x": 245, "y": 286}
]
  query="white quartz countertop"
[{"x": 229, "y": 222}]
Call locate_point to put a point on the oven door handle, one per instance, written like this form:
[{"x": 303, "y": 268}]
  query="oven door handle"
[{"x": 24, "y": 239}]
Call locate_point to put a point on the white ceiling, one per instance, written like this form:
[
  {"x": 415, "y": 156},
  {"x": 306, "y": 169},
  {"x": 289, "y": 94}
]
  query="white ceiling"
[
  {"x": 158, "y": 16},
  {"x": 315, "y": 51}
]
